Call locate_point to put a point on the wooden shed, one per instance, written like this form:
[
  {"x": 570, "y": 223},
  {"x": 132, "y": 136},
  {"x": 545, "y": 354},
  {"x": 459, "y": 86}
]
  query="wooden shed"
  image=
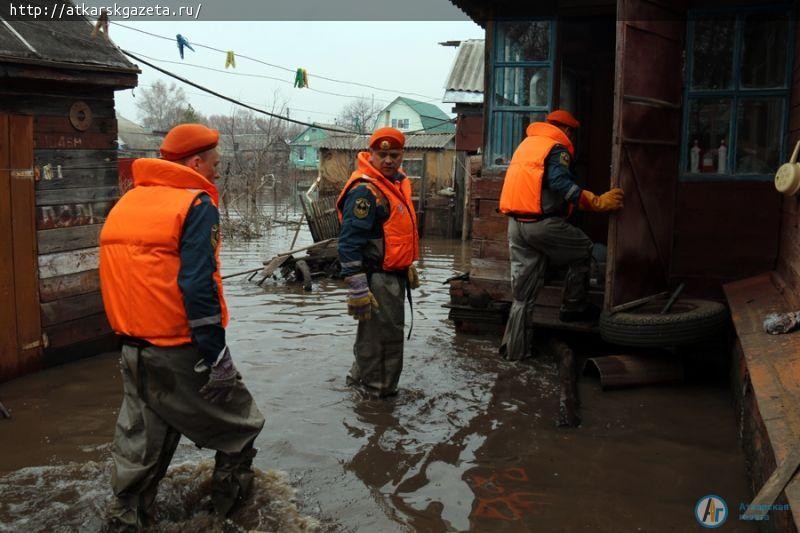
[
  {"x": 685, "y": 105},
  {"x": 58, "y": 180}
]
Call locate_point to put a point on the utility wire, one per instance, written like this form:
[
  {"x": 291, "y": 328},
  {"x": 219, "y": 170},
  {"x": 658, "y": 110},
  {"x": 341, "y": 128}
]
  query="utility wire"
[
  {"x": 287, "y": 69},
  {"x": 232, "y": 100}
]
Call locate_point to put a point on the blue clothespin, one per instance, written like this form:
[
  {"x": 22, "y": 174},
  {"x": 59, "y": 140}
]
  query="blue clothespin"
[{"x": 181, "y": 43}]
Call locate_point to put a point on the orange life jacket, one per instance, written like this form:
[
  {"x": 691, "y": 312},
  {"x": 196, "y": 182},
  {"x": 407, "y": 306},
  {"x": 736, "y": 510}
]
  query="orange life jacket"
[
  {"x": 140, "y": 253},
  {"x": 522, "y": 186},
  {"x": 400, "y": 237}
]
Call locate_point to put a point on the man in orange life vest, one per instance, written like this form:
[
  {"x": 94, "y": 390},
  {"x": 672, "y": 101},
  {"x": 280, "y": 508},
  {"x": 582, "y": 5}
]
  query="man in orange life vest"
[
  {"x": 378, "y": 243},
  {"x": 162, "y": 291},
  {"x": 539, "y": 192}
]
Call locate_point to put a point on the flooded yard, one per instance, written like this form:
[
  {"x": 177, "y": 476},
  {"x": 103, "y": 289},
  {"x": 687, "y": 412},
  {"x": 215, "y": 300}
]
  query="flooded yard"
[{"x": 470, "y": 442}]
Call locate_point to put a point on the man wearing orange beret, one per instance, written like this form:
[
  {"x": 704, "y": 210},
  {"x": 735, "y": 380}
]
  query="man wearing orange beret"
[
  {"x": 378, "y": 244},
  {"x": 162, "y": 292},
  {"x": 539, "y": 193}
]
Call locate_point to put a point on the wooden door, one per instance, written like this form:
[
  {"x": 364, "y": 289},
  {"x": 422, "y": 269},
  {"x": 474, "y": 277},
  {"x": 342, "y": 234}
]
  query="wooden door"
[
  {"x": 646, "y": 146},
  {"x": 20, "y": 324}
]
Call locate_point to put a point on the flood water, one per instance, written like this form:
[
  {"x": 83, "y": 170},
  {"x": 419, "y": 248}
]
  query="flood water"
[{"x": 470, "y": 443}]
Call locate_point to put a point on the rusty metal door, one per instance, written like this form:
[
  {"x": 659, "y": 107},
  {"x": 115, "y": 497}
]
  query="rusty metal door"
[
  {"x": 20, "y": 323},
  {"x": 646, "y": 146}
]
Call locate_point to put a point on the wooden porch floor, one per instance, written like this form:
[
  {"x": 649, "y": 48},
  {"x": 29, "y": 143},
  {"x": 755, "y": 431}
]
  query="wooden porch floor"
[{"x": 771, "y": 376}]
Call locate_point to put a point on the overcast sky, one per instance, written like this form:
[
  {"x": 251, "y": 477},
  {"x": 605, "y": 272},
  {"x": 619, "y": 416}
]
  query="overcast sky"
[{"x": 393, "y": 55}]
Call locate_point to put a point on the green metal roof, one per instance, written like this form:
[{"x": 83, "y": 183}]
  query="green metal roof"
[{"x": 434, "y": 120}]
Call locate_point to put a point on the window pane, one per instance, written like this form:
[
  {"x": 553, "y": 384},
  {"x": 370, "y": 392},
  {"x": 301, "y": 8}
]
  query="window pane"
[
  {"x": 709, "y": 127},
  {"x": 522, "y": 86},
  {"x": 712, "y": 54},
  {"x": 413, "y": 167},
  {"x": 508, "y": 130},
  {"x": 764, "y": 50},
  {"x": 523, "y": 41},
  {"x": 758, "y": 139}
]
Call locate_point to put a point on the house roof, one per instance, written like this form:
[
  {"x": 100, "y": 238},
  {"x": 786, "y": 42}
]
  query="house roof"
[
  {"x": 315, "y": 125},
  {"x": 58, "y": 43},
  {"x": 465, "y": 82},
  {"x": 417, "y": 141},
  {"x": 135, "y": 137},
  {"x": 434, "y": 120}
]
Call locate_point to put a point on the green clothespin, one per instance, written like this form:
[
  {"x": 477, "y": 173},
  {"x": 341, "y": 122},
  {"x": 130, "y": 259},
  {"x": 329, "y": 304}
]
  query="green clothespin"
[{"x": 230, "y": 59}]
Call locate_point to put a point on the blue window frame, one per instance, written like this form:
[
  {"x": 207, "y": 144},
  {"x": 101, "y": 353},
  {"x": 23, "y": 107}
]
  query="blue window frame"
[
  {"x": 736, "y": 96},
  {"x": 521, "y": 86}
]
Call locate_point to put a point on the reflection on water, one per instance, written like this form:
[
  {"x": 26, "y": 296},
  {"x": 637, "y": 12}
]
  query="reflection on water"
[{"x": 469, "y": 443}]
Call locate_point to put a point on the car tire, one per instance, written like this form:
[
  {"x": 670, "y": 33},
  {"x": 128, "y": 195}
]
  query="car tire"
[{"x": 689, "y": 321}]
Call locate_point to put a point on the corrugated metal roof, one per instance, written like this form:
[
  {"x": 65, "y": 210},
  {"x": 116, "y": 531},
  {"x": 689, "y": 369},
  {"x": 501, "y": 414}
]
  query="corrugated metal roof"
[
  {"x": 59, "y": 41},
  {"x": 357, "y": 143},
  {"x": 466, "y": 75}
]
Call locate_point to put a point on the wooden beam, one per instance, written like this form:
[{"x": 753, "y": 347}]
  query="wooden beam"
[
  {"x": 63, "y": 263},
  {"x": 58, "y": 287},
  {"x": 65, "y": 239}
]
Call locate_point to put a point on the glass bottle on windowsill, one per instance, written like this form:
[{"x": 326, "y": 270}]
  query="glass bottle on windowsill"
[
  {"x": 694, "y": 158},
  {"x": 722, "y": 158}
]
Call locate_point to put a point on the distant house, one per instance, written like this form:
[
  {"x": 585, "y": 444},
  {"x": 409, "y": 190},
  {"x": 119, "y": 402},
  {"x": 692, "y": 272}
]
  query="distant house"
[
  {"x": 303, "y": 155},
  {"x": 428, "y": 159},
  {"x": 464, "y": 88},
  {"x": 135, "y": 141},
  {"x": 406, "y": 114}
]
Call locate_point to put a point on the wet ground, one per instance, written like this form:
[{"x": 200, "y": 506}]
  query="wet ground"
[{"x": 469, "y": 444}]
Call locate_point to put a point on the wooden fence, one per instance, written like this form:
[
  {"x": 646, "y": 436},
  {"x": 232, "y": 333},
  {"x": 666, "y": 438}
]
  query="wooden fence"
[{"x": 321, "y": 216}]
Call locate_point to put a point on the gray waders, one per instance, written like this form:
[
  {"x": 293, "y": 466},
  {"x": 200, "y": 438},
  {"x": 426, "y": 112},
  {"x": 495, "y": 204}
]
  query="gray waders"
[
  {"x": 161, "y": 402},
  {"x": 534, "y": 246},
  {"x": 379, "y": 341}
]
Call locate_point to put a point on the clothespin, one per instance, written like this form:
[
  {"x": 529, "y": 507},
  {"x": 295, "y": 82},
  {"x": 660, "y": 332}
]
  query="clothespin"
[
  {"x": 301, "y": 78},
  {"x": 182, "y": 41},
  {"x": 230, "y": 59},
  {"x": 102, "y": 23},
  {"x": 48, "y": 171}
]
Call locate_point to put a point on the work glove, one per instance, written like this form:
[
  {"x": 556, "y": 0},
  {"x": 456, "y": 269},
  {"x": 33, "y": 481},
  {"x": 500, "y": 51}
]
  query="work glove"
[
  {"x": 413, "y": 277},
  {"x": 609, "y": 201},
  {"x": 359, "y": 298},
  {"x": 222, "y": 378}
]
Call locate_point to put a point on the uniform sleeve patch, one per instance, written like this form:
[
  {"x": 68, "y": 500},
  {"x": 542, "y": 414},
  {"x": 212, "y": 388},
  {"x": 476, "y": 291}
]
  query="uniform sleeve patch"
[
  {"x": 361, "y": 208},
  {"x": 214, "y": 236},
  {"x": 564, "y": 158}
]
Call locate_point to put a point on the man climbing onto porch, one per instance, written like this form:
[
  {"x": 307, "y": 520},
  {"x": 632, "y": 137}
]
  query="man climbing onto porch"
[
  {"x": 378, "y": 244},
  {"x": 539, "y": 193},
  {"x": 162, "y": 291}
]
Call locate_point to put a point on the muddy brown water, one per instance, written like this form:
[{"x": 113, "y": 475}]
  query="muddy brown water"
[{"x": 469, "y": 444}]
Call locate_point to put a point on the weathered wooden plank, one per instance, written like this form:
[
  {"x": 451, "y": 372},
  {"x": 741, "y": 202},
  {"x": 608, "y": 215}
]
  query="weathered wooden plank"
[
  {"x": 64, "y": 239},
  {"x": 82, "y": 329},
  {"x": 8, "y": 316},
  {"x": 71, "y": 308},
  {"x": 54, "y": 104},
  {"x": 63, "y": 263},
  {"x": 61, "y": 124},
  {"x": 79, "y": 168},
  {"x": 490, "y": 269},
  {"x": 492, "y": 227},
  {"x": 77, "y": 196},
  {"x": 59, "y": 287},
  {"x": 23, "y": 213},
  {"x": 75, "y": 140}
]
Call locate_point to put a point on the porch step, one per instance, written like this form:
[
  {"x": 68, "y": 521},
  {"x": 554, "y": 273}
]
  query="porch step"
[{"x": 771, "y": 418}]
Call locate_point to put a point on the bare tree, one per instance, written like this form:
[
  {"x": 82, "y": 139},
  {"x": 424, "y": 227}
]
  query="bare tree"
[
  {"x": 359, "y": 115},
  {"x": 163, "y": 106}
]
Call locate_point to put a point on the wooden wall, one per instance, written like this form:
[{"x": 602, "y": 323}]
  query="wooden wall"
[
  {"x": 788, "y": 263},
  {"x": 71, "y": 205}
]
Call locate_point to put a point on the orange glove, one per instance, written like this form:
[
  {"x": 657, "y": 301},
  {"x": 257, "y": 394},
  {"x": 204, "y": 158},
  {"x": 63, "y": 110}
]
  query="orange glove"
[{"x": 609, "y": 201}]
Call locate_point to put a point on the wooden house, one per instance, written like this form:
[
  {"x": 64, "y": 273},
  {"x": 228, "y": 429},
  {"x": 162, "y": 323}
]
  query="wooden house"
[
  {"x": 690, "y": 107},
  {"x": 58, "y": 180}
]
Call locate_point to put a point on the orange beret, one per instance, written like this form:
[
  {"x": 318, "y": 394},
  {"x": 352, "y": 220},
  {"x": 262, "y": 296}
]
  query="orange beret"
[
  {"x": 387, "y": 139},
  {"x": 565, "y": 118},
  {"x": 186, "y": 140}
]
